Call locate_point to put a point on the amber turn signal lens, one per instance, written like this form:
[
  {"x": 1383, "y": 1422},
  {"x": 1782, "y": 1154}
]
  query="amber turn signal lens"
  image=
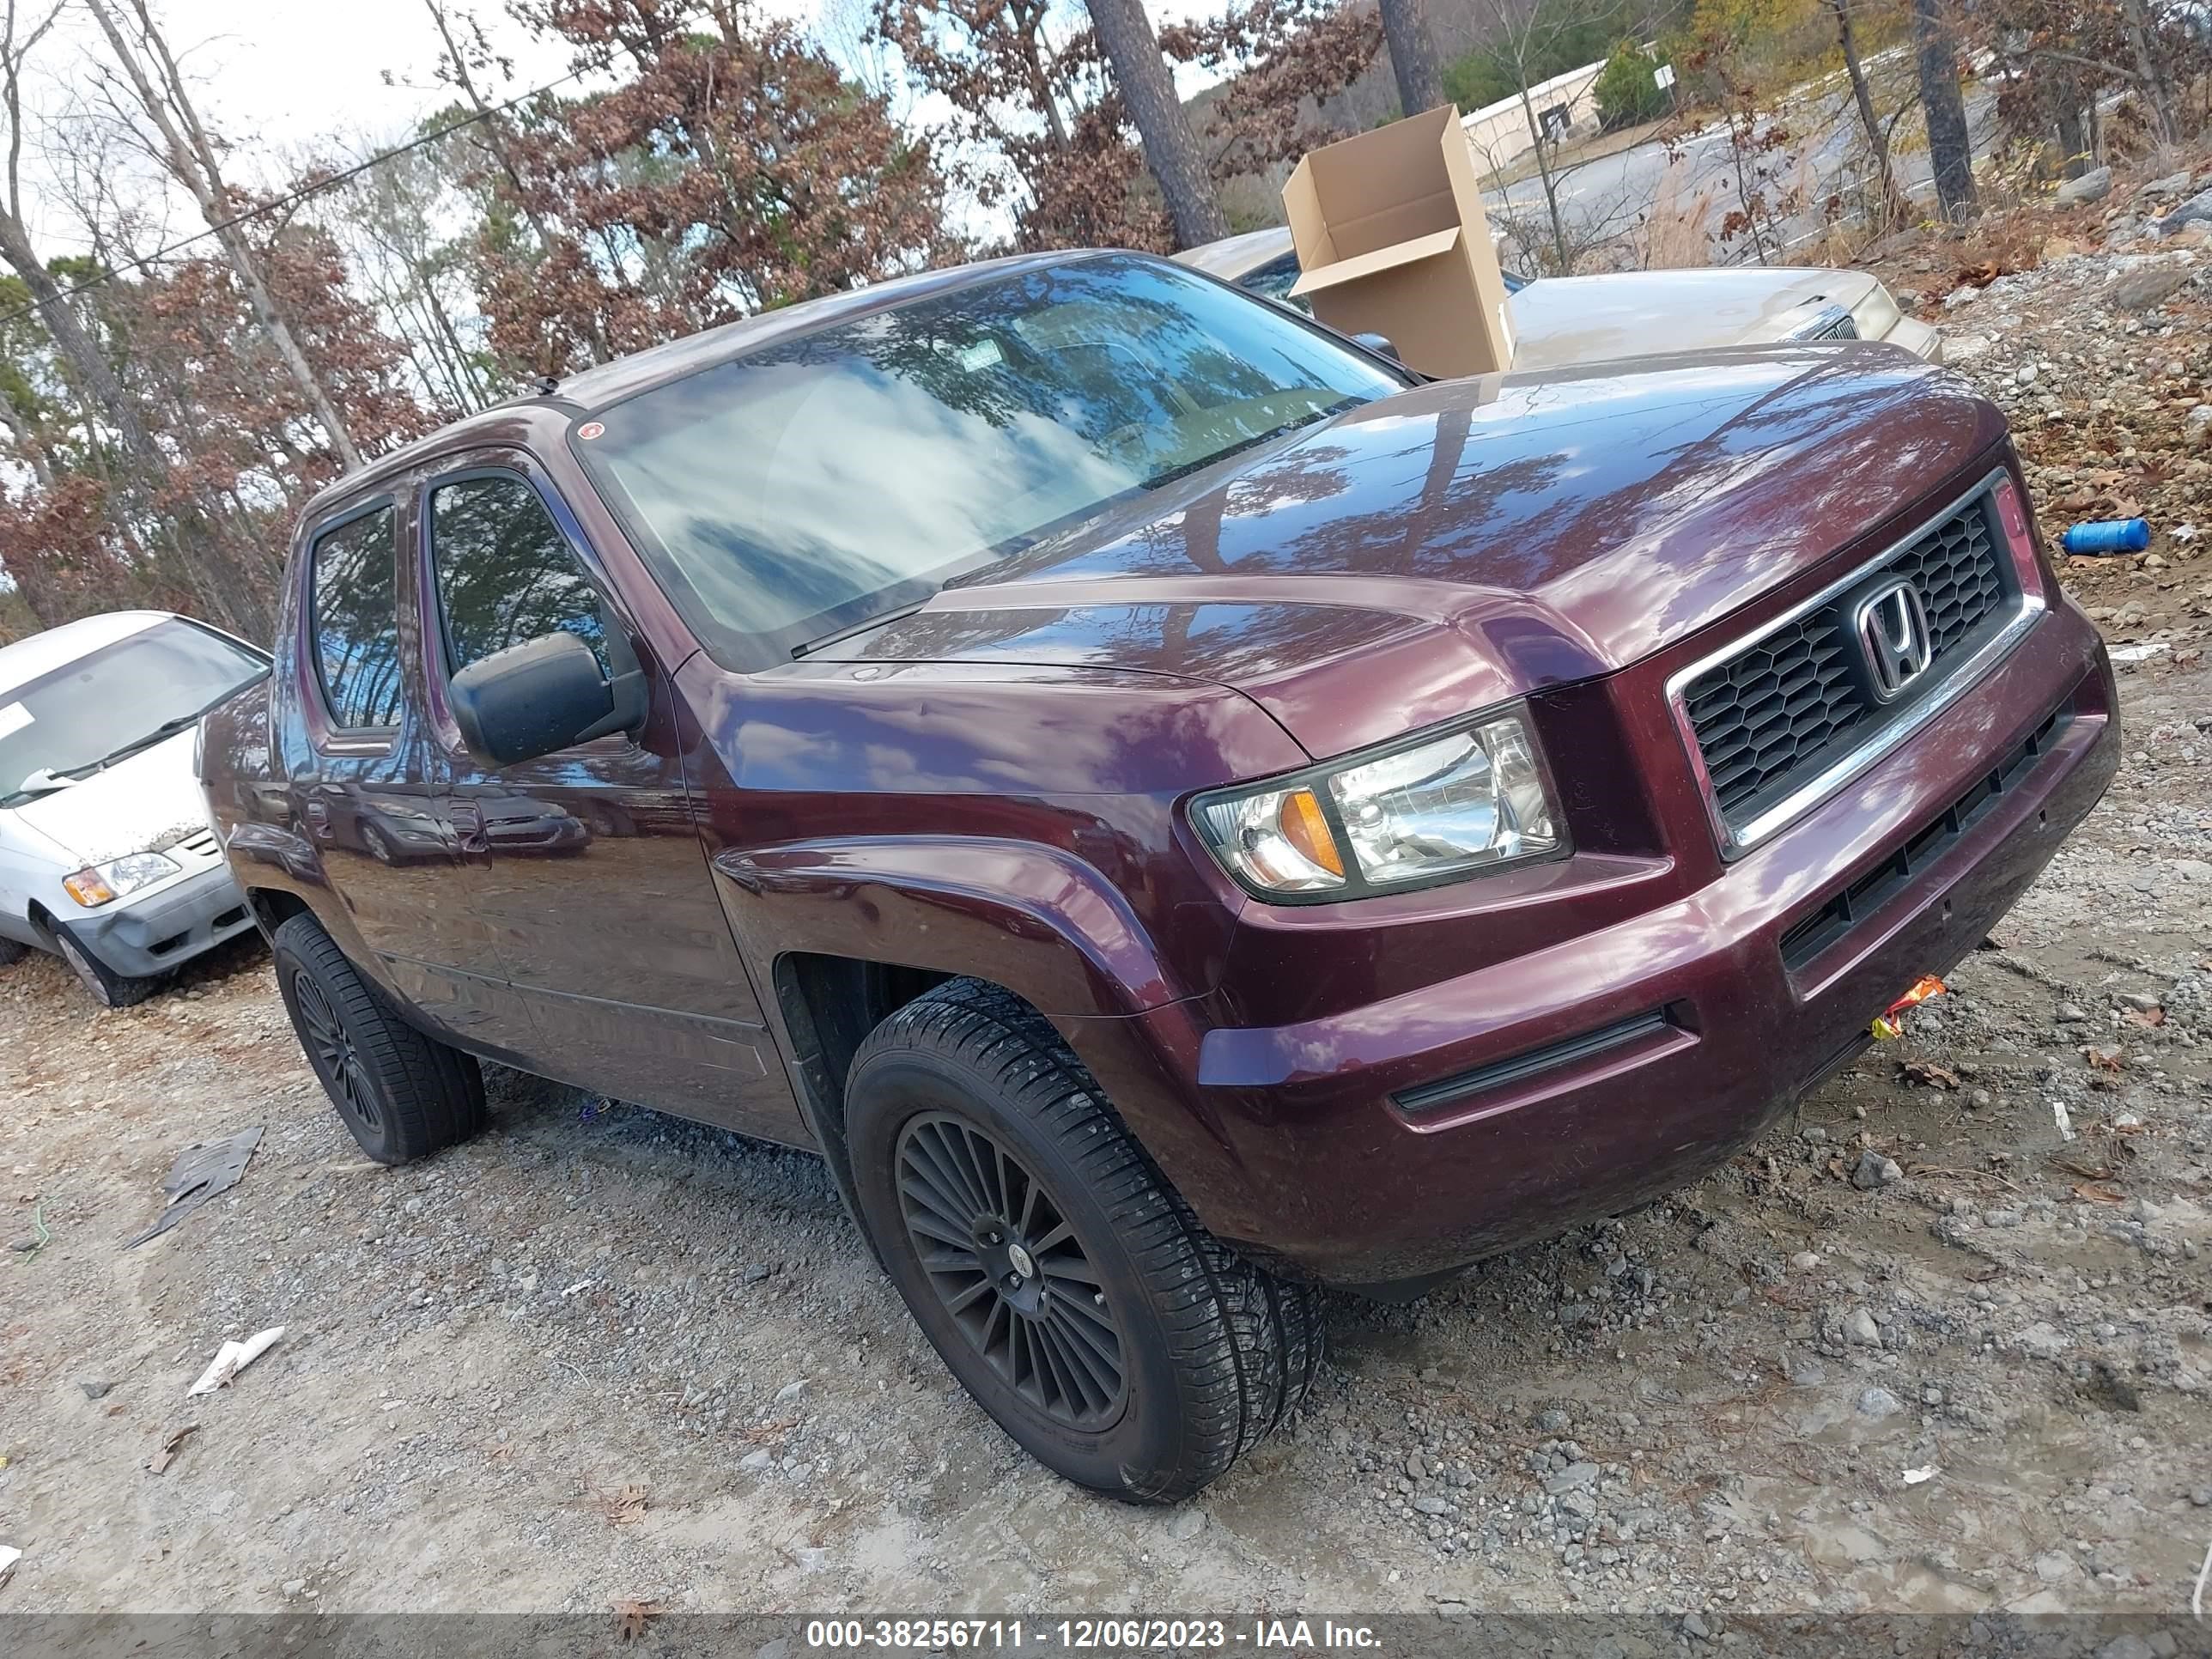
[
  {"x": 88, "y": 889},
  {"x": 1304, "y": 828}
]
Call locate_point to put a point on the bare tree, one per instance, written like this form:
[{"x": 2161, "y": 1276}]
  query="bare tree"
[
  {"x": 2150, "y": 64},
  {"x": 190, "y": 155},
  {"x": 1950, "y": 149},
  {"x": 1412, "y": 55},
  {"x": 1892, "y": 198},
  {"x": 1148, "y": 92}
]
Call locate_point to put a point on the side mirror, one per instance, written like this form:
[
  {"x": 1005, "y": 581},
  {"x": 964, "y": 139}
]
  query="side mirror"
[
  {"x": 1380, "y": 344},
  {"x": 544, "y": 695}
]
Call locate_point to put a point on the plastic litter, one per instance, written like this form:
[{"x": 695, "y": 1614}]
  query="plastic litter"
[
  {"x": 202, "y": 1171},
  {"x": 2108, "y": 536},
  {"x": 1914, "y": 1477},
  {"x": 1887, "y": 1025},
  {"x": 232, "y": 1358},
  {"x": 9, "y": 1555},
  {"x": 2058, "y": 1115}
]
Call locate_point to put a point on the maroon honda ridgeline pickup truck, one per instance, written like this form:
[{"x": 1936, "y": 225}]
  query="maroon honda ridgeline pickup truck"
[{"x": 1177, "y": 810}]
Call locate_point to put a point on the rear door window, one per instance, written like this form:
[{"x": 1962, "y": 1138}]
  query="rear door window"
[
  {"x": 505, "y": 574},
  {"x": 356, "y": 621}
]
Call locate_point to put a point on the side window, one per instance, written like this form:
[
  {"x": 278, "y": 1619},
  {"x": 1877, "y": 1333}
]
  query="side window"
[
  {"x": 356, "y": 621},
  {"x": 1275, "y": 280},
  {"x": 505, "y": 574}
]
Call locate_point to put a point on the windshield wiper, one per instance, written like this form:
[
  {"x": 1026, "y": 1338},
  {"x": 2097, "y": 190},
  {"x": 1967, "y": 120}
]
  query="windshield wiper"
[
  {"x": 1243, "y": 444},
  {"x": 809, "y": 647}
]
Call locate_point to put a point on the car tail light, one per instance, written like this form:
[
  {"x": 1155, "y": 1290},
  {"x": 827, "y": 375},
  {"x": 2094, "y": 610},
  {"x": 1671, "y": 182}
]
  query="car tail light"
[{"x": 2019, "y": 538}]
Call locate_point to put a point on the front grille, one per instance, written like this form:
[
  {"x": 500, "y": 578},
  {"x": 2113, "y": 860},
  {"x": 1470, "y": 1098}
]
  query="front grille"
[
  {"x": 1768, "y": 719},
  {"x": 1828, "y": 924}
]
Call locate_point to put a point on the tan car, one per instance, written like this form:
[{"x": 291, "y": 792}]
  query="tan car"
[{"x": 1584, "y": 320}]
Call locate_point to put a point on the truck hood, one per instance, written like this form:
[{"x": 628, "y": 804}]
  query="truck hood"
[
  {"x": 151, "y": 800},
  {"x": 1583, "y": 320},
  {"x": 1470, "y": 541}
]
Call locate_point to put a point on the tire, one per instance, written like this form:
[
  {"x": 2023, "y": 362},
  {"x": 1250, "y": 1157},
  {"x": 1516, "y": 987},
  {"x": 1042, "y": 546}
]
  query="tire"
[
  {"x": 12, "y": 951},
  {"x": 1151, "y": 1356},
  {"x": 373, "y": 839},
  {"x": 108, "y": 988},
  {"x": 403, "y": 1095}
]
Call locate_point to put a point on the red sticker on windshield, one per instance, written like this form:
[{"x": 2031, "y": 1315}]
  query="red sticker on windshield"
[{"x": 589, "y": 430}]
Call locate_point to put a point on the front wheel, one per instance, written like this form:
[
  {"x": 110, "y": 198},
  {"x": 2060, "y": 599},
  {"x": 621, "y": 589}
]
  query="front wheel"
[
  {"x": 107, "y": 988},
  {"x": 1067, "y": 1285}
]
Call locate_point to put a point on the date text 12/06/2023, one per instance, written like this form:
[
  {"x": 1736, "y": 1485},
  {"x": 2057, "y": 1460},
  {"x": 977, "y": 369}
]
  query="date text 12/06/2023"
[{"x": 1107, "y": 1635}]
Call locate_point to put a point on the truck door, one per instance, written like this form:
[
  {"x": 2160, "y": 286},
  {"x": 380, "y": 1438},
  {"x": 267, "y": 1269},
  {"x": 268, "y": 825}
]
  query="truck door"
[
  {"x": 366, "y": 796},
  {"x": 586, "y": 863}
]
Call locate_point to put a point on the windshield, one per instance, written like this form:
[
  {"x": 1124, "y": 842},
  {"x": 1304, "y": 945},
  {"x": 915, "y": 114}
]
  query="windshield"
[
  {"x": 821, "y": 481},
  {"x": 109, "y": 701}
]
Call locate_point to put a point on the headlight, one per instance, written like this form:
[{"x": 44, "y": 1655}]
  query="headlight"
[
  {"x": 104, "y": 883},
  {"x": 1447, "y": 806}
]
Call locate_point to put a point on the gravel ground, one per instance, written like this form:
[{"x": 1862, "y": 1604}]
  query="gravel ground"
[{"x": 1917, "y": 1350}]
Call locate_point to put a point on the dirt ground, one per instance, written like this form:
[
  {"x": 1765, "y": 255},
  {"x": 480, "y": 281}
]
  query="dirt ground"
[{"x": 1917, "y": 1351}]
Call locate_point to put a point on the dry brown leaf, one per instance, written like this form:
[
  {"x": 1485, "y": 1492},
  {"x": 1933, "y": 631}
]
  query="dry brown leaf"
[
  {"x": 2099, "y": 1195},
  {"x": 625, "y": 1505},
  {"x": 2146, "y": 1017},
  {"x": 633, "y": 1617},
  {"x": 2104, "y": 1059},
  {"x": 1928, "y": 1073},
  {"x": 167, "y": 1454}
]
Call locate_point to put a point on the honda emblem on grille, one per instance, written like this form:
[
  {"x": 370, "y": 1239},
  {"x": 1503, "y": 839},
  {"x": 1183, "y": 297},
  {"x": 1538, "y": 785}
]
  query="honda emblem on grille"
[{"x": 1891, "y": 624}]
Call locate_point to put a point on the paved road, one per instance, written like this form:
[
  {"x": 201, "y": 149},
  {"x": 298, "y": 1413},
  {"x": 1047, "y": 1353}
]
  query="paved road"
[{"x": 1612, "y": 194}]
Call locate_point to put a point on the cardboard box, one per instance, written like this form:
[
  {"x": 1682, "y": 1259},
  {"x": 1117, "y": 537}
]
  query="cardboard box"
[{"x": 1392, "y": 240}]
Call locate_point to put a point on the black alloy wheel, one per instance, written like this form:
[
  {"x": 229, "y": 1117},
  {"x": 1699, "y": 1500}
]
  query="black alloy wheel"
[
  {"x": 1006, "y": 1264},
  {"x": 334, "y": 1057}
]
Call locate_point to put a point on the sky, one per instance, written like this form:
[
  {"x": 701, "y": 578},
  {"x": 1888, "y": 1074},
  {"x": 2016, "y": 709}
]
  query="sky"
[{"x": 292, "y": 74}]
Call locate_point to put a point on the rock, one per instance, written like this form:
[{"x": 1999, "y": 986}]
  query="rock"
[
  {"x": 2094, "y": 185},
  {"x": 2126, "y": 1646},
  {"x": 790, "y": 1391},
  {"x": 1878, "y": 1403},
  {"x": 1572, "y": 1477},
  {"x": 1804, "y": 1261},
  {"x": 294, "y": 1586},
  {"x": 1415, "y": 1468},
  {"x": 2054, "y": 1567},
  {"x": 2196, "y": 209},
  {"x": 1807, "y": 1372},
  {"x": 96, "y": 1389},
  {"x": 2070, "y": 1013},
  {"x": 2192, "y": 869},
  {"x": 2202, "y": 1497},
  {"x": 2139, "y": 290},
  {"x": 24, "y": 1243},
  {"x": 1875, "y": 1171},
  {"x": 1186, "y": 1523},
  {"x": 1693, "y": 1625},
  {"x": 755, "y": 1462},
  {"x": 1553, "y": 1420},
  {"x": 2141, "y": 1001},
  {"x": 2173, "y": 183},
  {"x": 1430, "y": 1503},
  {"x": 1860, "y": 1329}
]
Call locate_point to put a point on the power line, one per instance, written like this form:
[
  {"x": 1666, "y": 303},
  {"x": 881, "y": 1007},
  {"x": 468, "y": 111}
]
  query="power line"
[{"x": 292, "y": 198}]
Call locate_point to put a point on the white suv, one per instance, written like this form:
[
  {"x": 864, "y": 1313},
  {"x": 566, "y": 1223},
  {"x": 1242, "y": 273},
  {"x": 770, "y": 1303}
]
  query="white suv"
[{"x": 106, "y": 855}]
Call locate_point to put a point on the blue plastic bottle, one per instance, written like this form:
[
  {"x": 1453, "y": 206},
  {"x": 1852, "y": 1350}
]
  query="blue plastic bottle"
[{"x": 2108, "y": 536}]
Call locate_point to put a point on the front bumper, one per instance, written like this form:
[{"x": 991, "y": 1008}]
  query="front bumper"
[
  {"x": 142, "y": 935},
  {"x": 1394, "y": 1141}
]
